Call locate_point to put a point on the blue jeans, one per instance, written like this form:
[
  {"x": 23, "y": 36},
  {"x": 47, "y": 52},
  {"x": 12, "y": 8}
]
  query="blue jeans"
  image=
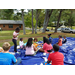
[
  {"x": 15, "y": 44},
  {"x": 18, "y": 61}
]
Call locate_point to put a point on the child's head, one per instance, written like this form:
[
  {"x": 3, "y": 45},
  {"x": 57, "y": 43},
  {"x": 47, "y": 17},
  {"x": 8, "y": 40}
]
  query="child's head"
[
  {"x": 49, "y": 35},
  {"x": 6, "y": 46},
  {"x": 29, "y": 42},
  {"x": 56, "y": 47},
  {"x": 45, "y": 40},
  {"x": 35, "y": 39},
  {"x": 60, "y": 36},
  {"x": 64, "y": 37},
  {"x": 21, "y": 39},
  {"x": 17, "y": 30}
]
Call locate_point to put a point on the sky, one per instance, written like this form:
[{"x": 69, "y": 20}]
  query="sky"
[{"x": 19, "y": 10}]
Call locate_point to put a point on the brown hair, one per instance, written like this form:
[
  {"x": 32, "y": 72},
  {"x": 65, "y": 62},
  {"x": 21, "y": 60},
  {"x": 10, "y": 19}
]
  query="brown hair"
[
  {"x": 35, "y": 39},
  {"x": 6, "y": 46}
]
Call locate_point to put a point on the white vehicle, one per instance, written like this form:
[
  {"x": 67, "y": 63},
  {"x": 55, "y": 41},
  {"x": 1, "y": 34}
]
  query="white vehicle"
[
  {"x": 59, "y": 29},
  {"x": 0, "y": 29},
  {"x": 68, "y": 30}
]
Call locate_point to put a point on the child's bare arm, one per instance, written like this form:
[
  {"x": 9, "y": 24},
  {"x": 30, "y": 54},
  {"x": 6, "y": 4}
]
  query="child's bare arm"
[
  {"x": 35, "y": 49},
  {"x": 15, "y": 35},
  {"x": 58, "y": 41},
  {"x": 16, "y": 60}
]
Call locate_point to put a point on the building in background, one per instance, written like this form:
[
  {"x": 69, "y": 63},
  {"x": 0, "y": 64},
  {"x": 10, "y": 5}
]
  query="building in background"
[{"x": 11, "y": 24}]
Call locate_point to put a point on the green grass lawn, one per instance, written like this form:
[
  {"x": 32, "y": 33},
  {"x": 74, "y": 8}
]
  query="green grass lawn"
[{"x": 7, "y": 35}]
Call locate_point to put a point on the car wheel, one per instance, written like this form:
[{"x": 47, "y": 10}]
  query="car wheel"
[{"x": 71, "y": 32}]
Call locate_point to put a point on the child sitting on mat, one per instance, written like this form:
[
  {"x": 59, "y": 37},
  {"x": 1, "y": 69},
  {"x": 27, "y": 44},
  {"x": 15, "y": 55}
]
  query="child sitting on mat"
[
  {"x": 30, "y": 48},
  {"x": 56, "y": 58},
  {"x": 6, "y": 58},
  {"x": 35, "y": 42},
  {"x": 64, "y": 40},
  {"x": 47, "y": 47},
  {"x": 60, "y": 40},
  {"x": 21, "y": 43},
  {"x": 50, "y": 38}
]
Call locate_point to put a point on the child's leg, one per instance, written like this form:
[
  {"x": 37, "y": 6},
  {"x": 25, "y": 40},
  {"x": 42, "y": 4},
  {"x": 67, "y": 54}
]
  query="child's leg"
[
  {"x": 41, "y": 49},
  {"x": 24, "y": 46},
  {"x": 15, "y": 44}
]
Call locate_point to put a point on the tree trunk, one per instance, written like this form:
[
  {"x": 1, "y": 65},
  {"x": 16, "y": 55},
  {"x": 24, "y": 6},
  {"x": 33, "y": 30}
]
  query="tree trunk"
[
  {"x": 49, "y": 18},
  {"x": 23, "y": 22},
  {"x": 58, "y": 21},
  {"x": 37, "y": 15},
  {"x": 46, "y": 20},
  {"x": 32, "y": 23},
  {"x": 36, "y": 27}
]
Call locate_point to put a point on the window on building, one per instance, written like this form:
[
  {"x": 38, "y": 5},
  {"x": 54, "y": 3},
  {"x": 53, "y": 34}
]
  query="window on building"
[
  {"x": 3, "y": 25},
  {"x": 20, "y": 26},
  {"x": 10, "y": 26}
]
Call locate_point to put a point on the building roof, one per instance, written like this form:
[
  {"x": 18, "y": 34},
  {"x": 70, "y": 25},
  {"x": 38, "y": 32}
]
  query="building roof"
[{"x": 11, "y": 22}]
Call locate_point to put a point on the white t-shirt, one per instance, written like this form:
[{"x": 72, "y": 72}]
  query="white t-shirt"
[
  {"x": 30, "y": 50},
  {"x": 21, "y": 43},
  {"x": 14, "y": 33}
]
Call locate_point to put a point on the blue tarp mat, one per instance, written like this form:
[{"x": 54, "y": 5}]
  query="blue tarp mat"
[
  {"x": 29, "y": 60},
  {"x": 68, "y": 50}
]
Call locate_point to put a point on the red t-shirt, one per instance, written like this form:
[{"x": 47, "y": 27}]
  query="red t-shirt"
[
  {"x": 57, "y": 58},
  {"x": 47, "y": 47}
]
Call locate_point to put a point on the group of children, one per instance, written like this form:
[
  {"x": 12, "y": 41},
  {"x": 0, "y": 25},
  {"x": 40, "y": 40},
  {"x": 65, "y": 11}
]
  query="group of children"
[{"x": 31, "y": 49}]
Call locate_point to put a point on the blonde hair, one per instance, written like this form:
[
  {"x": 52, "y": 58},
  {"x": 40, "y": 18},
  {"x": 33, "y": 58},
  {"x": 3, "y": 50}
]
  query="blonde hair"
[{"x": 6, "y": 46}]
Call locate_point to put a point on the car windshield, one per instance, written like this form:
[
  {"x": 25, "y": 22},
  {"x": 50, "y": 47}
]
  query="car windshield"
[{"x": 70, "y": 29}]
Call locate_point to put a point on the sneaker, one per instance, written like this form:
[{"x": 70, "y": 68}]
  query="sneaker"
[{"x": 18, "y": 52}]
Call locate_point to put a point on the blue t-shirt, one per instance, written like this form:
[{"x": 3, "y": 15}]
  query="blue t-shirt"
[
  {"x": 50, "y": 39},
  {"x": 64, "y": 41},
  {"x": 7, "y": 59}
]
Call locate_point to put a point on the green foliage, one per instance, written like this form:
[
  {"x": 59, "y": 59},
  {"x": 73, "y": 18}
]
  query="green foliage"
[
  {"x": 68, "y": 15},
  {"x": 41, "y": 18},
  {"x": 6, "y": 14},
  {"x": 28, "y": 20}
]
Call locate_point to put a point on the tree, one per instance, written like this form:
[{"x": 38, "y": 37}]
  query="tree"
[
  {"x": 6, "y": 14},
  {"x": 23, "y": 21},
  {"x": 28, "y": 19},
  {"x": 58, "y": 20},
  {"x": 32, "y": 23},
  {"x": 37, "y": 16},
  {"x": 41, "y": 18},
  {"x": 17, "y": 15},
  {"x": 71, "y": 19},
  {"x": 46, "y": 20}
]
